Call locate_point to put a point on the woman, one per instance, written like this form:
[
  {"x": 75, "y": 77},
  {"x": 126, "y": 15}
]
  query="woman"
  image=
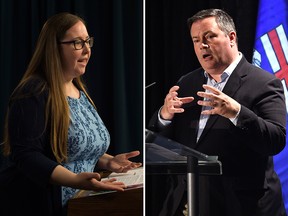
[{"x": 54, "y": 135}]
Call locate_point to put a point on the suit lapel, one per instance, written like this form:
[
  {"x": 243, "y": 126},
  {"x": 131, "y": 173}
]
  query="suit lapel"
[{"x": 231, "y": 87}]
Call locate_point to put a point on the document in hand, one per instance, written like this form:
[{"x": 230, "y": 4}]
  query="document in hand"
[{"x": 132, "y": 178}]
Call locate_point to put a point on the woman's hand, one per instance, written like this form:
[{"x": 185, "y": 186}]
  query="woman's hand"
[
  {"x": 85, "y": 181},
  {"x": 119, "y": 163},
  {"x": 92, "y": 181}
]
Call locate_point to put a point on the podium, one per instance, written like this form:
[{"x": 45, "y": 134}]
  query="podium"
[
  {"x": 127, "y": 203},
  {"x": 165, "y": 156}
]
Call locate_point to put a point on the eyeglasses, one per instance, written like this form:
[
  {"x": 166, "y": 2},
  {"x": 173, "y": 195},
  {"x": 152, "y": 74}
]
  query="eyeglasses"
[{"x": 79, "y": 43}]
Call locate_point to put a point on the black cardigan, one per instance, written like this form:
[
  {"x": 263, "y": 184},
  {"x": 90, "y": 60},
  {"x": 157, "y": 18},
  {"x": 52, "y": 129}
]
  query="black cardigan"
[{"x": 25, "y": 184}]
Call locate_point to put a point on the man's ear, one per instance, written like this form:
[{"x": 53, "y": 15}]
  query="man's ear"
[{"x": 233, "y": 38}]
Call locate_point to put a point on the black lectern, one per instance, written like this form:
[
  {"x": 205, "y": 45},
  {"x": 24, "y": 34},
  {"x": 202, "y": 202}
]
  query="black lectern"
[{"x": 167, "y": 156}]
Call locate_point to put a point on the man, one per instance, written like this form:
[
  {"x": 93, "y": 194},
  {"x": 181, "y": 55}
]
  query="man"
[{"x": 232, "y": 109}]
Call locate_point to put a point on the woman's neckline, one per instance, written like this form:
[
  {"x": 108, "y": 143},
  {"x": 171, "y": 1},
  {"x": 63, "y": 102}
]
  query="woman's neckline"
[{"x": 75, "y": 98}]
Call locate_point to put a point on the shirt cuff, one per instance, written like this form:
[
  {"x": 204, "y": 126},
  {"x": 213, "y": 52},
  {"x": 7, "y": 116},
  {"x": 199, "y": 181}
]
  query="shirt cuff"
[
  {"x": 163, "y": 121},
  {"x": 235, "y": 119}
]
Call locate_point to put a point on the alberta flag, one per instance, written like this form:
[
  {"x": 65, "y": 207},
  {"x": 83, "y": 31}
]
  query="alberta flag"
[{"x": 271, "y": 54}]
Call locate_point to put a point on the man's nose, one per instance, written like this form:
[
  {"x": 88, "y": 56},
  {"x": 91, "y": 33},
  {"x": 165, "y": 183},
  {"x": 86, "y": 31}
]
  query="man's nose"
[{"x": 204, "y": 45}]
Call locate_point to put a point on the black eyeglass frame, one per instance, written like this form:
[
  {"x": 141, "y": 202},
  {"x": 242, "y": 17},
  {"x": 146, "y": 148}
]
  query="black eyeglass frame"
[{"x": 89, "y": 41}]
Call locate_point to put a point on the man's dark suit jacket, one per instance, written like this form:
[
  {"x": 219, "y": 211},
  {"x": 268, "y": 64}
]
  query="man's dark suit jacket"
[{"x": 249, "y": 185}]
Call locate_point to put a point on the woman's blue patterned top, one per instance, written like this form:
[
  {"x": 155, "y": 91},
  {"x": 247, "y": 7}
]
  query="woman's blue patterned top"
[{"x": 88, "y": 139}]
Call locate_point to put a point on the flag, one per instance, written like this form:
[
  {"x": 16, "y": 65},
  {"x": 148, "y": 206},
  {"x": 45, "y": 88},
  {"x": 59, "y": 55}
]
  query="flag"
[{"x": 271, "y": 54}]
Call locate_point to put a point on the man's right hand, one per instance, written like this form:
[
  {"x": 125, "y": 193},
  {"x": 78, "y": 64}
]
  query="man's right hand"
[{"x": 172, "y": 104}]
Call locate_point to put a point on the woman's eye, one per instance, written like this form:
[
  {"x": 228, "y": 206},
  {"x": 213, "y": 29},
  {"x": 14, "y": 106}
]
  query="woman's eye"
[{"x": 78, "y": 42}]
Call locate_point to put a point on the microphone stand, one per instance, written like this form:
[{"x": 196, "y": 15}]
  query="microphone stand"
[{"x": 151, "y": 84}]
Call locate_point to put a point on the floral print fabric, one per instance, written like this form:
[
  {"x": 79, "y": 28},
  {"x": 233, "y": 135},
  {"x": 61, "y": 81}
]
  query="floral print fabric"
[{"x": 88, "y": 140}]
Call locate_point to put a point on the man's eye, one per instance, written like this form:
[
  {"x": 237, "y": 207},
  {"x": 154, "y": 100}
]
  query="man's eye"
[{"x": 210, "y": 36}]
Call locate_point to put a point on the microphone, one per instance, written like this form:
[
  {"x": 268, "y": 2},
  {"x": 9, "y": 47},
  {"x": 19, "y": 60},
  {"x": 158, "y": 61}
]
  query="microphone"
[{"x": 151, "y": 84}]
